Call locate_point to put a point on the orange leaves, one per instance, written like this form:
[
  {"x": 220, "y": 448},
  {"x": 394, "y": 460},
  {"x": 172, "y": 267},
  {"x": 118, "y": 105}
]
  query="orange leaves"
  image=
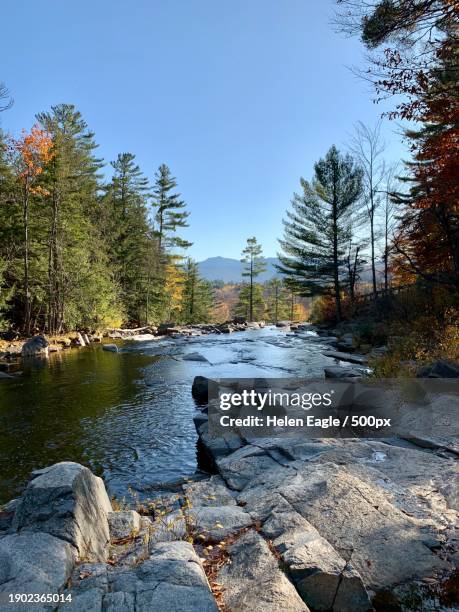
[{"x": 35, "y": 150}]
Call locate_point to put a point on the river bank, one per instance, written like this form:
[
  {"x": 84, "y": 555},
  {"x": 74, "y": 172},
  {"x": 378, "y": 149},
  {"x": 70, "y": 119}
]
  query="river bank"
[
  {"x": 284, "y": 524},
  {"x": 128, "y": 415}
]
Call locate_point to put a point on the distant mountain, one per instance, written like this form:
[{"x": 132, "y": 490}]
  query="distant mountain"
[{"x": 230, "y": 270}]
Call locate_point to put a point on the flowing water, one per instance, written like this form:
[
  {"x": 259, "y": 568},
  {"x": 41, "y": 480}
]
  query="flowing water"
[{"x": 129, "y": 415}]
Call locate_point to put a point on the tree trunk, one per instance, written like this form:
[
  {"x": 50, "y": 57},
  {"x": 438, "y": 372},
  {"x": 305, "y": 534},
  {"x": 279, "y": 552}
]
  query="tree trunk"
[
  {"x": 372, "y": 235},
  {"x": 26, "y": 260},
  {"x": 339, "y": 315},
  {"x": 251, "y": 290}
]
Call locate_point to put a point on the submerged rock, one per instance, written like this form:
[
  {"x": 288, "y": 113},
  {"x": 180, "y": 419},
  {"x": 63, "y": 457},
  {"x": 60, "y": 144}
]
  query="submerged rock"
[
  {"x": 195, "y": 357},
  {"x": 112, "y": 348}
]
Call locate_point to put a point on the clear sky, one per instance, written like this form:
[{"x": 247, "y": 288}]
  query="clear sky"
[{"x": 238, "y": 97}]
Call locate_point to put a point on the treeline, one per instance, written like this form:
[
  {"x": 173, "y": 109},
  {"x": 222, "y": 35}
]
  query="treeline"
[
  {"x": 274, "y": 300},
  {"x": 356, "y": 209},
  {"x": 77, "y": 251}
]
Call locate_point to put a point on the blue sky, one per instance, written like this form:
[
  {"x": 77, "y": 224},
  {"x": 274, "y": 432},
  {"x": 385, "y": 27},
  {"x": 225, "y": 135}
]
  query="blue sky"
[{"x": 239, "y": 98}]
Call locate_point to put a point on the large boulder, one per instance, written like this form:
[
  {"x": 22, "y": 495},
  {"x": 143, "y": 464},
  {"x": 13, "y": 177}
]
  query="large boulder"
[
  {"x": 170, "y": 578},
  {"x": 36, "y": 347},
  {"x": 200, "y": 389},
  {"x": 67, "y": 501},
  {"x": 166, "y": 329}
]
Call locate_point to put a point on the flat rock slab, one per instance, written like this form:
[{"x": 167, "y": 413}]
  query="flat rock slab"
[
  {"x": 341, "y": 372},
  {"x": 351, "y": 358},
  {"x": 144, "y": 338},
  {"x": 253, "y": 580},
  {"x": 357, "y": 517},
  {"x": 170, "y": 580},
  {"x": 34, "y": 563},
  {"x": 323, "y": 578},
  {"x": 211, "y": 492},
  {"x": 217, "y": 522},
  {"x": 240, "y": 467}
]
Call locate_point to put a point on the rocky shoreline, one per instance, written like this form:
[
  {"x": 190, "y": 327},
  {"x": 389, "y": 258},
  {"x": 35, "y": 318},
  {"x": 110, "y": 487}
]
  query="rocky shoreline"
[
  {"x": 41, "y": 346},
  {"x": 284, "y": 524}
]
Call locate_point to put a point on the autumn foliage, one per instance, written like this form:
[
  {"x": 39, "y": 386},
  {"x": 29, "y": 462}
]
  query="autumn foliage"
[{"x": 35, "y": 150}]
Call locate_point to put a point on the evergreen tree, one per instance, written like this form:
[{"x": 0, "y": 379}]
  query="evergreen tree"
[
  {"x": 317, "y": 230},
  {"x": 277, "y": 300},
  {"x": 198, "y": 299},
  {"x": 170, "y": 213},
  {"x": 10, "y": 246},
  {"x": 254, "y": 266},
  {"x": 129, "y": 235},
  {"x": 251, "y": 303},
  {"x": 81, "y": 288}
]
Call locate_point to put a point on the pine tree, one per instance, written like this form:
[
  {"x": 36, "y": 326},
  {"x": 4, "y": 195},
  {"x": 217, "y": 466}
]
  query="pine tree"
[
  {"x": 128, "y": 232},
  {"x": 198, "y": 299},
  {"x": 277, "y": 300},
  {"x": 317, "y": 229},
  {"x": 10, "y": 247},
  {"x": 170, "y": 213},
  {"x": 251, "y": 303},
  {"x": 254, "y": 266},
  {"x": 82, "y": 290}
]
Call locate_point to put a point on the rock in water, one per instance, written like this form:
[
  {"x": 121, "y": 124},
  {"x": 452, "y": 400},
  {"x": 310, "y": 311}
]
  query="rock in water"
[
  {"x": 36, "y": 346},
  {"x": 80, "y": 340},
  {"x": 195, "y": 357},
  {"x": 200, "y": 389},
  {"x": 5, "y": 375},
  {"x": 111, "y": 348},
  {"x": 67, "y": 501}
]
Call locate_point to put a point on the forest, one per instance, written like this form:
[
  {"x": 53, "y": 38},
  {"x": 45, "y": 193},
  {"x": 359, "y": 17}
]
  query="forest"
[{"x": 80, "y": 250}]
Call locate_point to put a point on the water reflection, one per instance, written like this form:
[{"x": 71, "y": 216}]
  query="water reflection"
[{"x": 128, "y": 415}]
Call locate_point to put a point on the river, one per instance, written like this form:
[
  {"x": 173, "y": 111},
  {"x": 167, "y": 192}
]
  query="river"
[{"x": 129, "y": 415}]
